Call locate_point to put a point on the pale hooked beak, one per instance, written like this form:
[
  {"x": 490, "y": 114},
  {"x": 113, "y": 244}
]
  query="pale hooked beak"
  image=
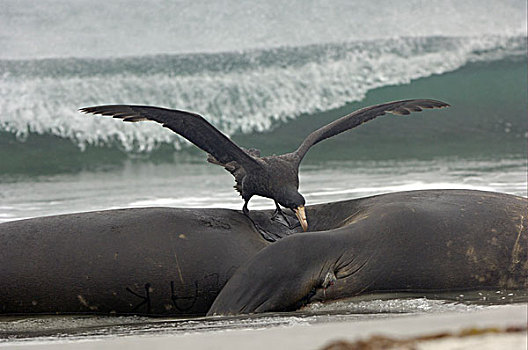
[{"x": 299, "y": 212}]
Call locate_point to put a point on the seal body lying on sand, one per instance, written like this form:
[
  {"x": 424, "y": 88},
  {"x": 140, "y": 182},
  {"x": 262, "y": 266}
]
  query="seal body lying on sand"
[
  {"x": 161, "y": 261},
  {"x": 129, "y": 261},
  {"x": 422, "y": 241}
]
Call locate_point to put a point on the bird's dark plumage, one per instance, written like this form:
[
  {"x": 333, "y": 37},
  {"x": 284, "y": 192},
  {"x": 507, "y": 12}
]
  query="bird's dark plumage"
[
  {"x": 274, "y": 177},
  {"x": 189, "y": 125},
  {"x": 364, "y": 115}
]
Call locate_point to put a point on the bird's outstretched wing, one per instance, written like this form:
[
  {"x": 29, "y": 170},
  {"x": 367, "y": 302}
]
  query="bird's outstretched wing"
[
  {"x": 359, "y": 117},
  {"x": 189, "y": 125}
]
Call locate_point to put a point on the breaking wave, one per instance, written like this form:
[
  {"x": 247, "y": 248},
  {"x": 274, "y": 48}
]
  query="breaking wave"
[{"x": 239, "y": 92}]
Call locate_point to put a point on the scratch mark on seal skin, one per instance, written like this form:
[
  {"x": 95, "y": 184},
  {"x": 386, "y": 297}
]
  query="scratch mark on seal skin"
[
  {"x": 85, "y": 303},
  {"x": 344, "y": 222},
  {"x": 516, "y": 251},
  {"x": 179, "y": 269},
  {"x": 356, "y": 217}
]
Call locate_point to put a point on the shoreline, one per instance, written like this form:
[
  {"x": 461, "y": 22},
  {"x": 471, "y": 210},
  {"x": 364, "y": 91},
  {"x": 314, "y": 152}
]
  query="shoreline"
[{"x": 315, "y": 336}]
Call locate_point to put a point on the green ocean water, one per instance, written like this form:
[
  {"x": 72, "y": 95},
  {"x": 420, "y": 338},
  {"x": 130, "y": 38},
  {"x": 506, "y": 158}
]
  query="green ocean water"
[{"x": 486, "y": 120}]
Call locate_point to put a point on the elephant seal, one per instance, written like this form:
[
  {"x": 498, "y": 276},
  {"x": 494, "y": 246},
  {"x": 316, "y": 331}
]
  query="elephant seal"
[
  {"x": 421, "y": 241},
  {"x": 170, "y": 261},
  {"x": 147, "y": 261}
]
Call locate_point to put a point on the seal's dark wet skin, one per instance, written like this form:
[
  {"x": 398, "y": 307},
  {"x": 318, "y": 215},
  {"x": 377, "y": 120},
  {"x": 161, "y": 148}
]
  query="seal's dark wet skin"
[
  {"x": 169, "y": 261},
  {"x": 275, "y": 177},
  {"x": 421, "y": 241},
  {"x": 132, "y": 261}
]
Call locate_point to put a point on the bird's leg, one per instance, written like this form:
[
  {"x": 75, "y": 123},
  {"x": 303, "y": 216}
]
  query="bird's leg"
[
  {"x": 277, "y": 211},
  {"x": 245, "y": 209}
]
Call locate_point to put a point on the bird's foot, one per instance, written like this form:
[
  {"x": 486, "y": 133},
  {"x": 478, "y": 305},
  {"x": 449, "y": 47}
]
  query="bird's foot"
[{"x": 281, "y": 218}]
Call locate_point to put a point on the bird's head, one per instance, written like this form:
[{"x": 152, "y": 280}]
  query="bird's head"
[{"x": 293, "y": 200}]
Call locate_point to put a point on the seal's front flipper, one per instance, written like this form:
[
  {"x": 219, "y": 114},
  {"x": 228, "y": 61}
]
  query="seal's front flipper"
[{"x": 281, "y": 277}]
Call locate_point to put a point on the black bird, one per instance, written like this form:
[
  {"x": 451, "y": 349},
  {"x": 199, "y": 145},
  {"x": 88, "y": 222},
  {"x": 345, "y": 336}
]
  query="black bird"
[{"x": 275, "y": 177}]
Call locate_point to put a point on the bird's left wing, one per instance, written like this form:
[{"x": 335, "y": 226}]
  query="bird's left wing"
[
  {"x": 189, "y": 125},
  {"x": 359, "y": 117}
]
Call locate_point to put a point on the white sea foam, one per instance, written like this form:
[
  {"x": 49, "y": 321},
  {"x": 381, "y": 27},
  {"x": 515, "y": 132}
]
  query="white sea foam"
[
  {"x": 245, "y": 97},
  {"x": 395, "y": 305}
]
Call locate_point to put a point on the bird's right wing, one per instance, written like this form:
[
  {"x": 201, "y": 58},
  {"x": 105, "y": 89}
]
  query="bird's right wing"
[
  {"x": 359, "y": 117},
  {"x": 189, "y": 125}
]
